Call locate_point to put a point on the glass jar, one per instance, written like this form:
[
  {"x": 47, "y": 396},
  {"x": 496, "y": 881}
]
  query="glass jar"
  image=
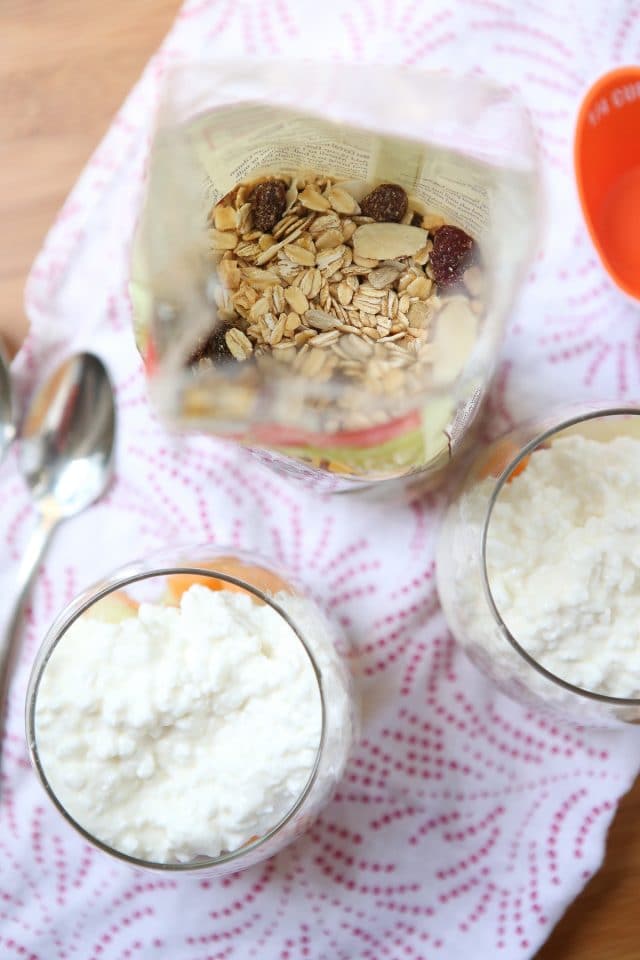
[
  {"x": 161, "y": 580},
  {"x": 376, "y": 381},
  {"x": 468, "y": 596}
]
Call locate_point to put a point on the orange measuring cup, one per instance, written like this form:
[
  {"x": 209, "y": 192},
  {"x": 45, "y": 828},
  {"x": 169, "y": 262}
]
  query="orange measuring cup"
[{"x": 607, "y": 166}]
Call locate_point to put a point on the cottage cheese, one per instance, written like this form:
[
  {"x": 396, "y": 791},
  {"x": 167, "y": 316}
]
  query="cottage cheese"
[
  {"x": 563, "y": 561},
  {"x": 184, "y": 732}
]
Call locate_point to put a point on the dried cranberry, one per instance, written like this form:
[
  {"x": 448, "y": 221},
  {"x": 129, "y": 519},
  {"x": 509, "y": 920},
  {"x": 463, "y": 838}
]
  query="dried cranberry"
[
  {"x": 212, "y": 347},
  {"x": 268, "y": 202},
  {"x": 453, "y": 251},
  {"x": 387, "y": 203}
]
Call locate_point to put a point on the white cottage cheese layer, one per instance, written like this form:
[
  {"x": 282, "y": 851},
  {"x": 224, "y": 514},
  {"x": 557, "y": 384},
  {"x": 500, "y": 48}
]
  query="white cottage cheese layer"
[
  {"x": 180, "y": 731},
  {"x": 563, "y": 552}
]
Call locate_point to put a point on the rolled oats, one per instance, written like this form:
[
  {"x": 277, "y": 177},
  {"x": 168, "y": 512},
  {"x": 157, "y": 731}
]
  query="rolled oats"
[
  {"x": 324, "y": 339},
  {"x": 278, "y": 330},
  {"x": 239, "y": 345},
  {"x": 341, "y": 200},
  {"x": 222, "y": 239},
  {"x": 329, "y": 239},
  {"x": 312, "y": 200},
  {"x": 313, "y": 362},
  {"x": 225, "y": 218},
  {"x": 333, "y": 283},
  {"x": 300, "y": 254},
  {"x": 383, "y": 277}
]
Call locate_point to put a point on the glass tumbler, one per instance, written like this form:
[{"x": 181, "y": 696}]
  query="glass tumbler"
[
  {"x": 160, "y": 580},
  {"x": 470, "y": 600}
]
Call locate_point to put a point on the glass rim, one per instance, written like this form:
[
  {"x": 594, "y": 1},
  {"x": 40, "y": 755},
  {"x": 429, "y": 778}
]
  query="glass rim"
[
  {"x": 504, "y": 477},
  {"x": 49, "y": 644}
]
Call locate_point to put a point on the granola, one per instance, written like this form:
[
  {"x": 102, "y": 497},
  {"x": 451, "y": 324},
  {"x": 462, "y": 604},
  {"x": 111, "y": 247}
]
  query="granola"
[{"x": 313, "y": 282}]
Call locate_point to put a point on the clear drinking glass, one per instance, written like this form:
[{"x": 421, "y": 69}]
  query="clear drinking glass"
[
  {"x": 464, "y": 583},
  {"x": 149, "y": 581}
]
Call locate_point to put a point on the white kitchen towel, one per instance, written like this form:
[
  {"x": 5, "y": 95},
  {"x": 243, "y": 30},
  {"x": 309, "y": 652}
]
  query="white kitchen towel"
[{"x": 465, "y": 824}]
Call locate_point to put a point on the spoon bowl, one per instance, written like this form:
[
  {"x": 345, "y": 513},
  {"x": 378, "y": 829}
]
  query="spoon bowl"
[{"x": 67, "y": 437}]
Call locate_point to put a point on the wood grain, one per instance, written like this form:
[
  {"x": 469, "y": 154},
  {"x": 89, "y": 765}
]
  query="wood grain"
[{"x": 66, "y": 66}]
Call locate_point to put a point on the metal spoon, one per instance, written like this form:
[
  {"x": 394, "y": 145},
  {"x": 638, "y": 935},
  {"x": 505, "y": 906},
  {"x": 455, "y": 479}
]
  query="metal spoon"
[
  {"x": 65, "y": 454},
  {"x": 7, "y": 412}
]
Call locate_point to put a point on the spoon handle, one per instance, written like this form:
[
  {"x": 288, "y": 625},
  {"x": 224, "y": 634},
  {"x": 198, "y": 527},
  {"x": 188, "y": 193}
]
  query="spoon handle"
[{"x": 26, "y": 574}]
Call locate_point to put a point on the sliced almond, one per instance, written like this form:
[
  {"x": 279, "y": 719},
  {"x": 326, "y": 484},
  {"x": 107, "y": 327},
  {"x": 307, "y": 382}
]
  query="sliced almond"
[
  {"x": 312, "y": 200},
  {"x": 473, "y": 279},
  {"x": 386, "y": 241},
  {"x": 455, "y": 338}
]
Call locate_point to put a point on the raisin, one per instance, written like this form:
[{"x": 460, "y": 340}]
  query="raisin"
[
  {"x": 212, "y": 347},
  {"x": 453, "y": 251},
  {"x": 416, "y": 219},
  {"x": 268, "y": 202},
  {"x": 387, "y": 203}
]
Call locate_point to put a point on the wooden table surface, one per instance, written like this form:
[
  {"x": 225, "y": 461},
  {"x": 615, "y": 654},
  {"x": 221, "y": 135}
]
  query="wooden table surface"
[{"x": 66, "y": 65}]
